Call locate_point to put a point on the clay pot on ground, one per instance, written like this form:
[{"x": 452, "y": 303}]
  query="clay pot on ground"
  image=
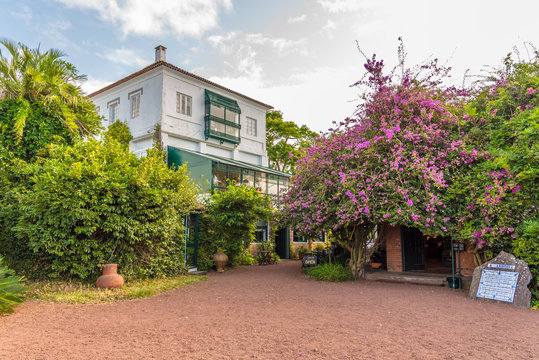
[
  {"x": 375, "y": 265},
  {"x": 220, "y": 259},
  {"x": 110, "y": 278}
]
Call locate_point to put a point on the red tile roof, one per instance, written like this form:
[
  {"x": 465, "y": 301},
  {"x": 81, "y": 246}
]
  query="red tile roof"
[{"x": 157, "y": 64}]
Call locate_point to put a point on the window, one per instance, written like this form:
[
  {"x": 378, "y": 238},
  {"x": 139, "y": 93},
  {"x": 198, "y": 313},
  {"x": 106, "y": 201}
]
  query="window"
[
  {"x": 134, "y": 98},
  {"x": 183, "y": 104},
  {"x": 251, "y": 126},
  {"x": 222, "y": 118},
  {"x": 261, "y": 233},
  {"x": 219, "y": 176},
  {"x": 113, "y": 110},
  {"x": 299, "y": 238}
]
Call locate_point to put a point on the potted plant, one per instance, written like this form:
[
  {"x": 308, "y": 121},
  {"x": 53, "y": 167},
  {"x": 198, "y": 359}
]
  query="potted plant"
[{"x": 220, "y": 259}]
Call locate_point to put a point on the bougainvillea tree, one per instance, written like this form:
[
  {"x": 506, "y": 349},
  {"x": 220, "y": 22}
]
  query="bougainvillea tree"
[
  {"x": 390, "y": 164},
  {"x": 496, "y": 203}
]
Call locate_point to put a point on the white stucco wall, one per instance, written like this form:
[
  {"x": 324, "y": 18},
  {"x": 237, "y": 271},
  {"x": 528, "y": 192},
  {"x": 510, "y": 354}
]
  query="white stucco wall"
[
  {"x": 158, "y": 106},
  {"x": 141, "y": 127},
  {"x": 252, "y": 149}
]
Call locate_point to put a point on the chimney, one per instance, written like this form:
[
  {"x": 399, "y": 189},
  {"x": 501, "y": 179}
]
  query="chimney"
[{"x": 160, "y": 53}]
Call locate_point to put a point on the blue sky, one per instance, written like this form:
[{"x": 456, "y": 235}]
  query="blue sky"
[{"x": 298, "y": 55}]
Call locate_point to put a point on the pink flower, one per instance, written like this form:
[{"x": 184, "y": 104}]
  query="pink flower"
[
  {"x": 410, "y": 202},
  {"x": 531, "y": 90}
]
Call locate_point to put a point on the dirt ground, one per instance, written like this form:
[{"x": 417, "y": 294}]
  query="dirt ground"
[{"x": 275, "y": 312}]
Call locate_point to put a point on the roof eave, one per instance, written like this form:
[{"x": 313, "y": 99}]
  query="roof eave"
[{"x": 158, "y": 64}]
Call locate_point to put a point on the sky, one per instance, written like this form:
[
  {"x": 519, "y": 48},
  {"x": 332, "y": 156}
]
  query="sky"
[{"x": 300, "y": 56}]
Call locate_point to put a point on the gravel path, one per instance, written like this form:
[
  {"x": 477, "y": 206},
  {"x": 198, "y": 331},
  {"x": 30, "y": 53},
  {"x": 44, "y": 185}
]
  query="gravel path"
[{"x": 275, "y": 312}]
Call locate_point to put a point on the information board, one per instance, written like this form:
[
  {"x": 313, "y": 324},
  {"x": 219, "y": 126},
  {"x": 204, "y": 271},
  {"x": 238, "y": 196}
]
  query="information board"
[
  {"x": 498, "y": 285},
  {"x": 502, "y": 266},
  {"x": 310, "y": 260}
]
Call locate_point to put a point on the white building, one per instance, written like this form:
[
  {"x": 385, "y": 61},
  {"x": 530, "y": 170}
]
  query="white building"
[{"x": 219, "y": 132}]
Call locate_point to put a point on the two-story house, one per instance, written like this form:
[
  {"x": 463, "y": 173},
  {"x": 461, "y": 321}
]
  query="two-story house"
[{"x": 218, "y": 132}]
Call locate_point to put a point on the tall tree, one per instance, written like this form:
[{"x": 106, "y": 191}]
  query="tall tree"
[
  {"x": 30, "y": 76},
  {"x": 285, "y": 141},
  {"x": 390, "y": 164}
]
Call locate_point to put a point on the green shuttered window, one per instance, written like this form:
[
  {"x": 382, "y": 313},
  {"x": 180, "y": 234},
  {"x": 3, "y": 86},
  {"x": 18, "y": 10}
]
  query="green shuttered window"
[{"x": 222, "y": 118}]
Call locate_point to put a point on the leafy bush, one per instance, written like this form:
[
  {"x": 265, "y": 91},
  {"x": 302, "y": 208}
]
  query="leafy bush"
[
  {"x": 319, "y": 247},
  {"x": 119, "y": 131},
  {"x": 229, "y": 223},
  {"x": 302, "y": 250},
  {"x": 40, "y": 129},
  {"x": 293, "y": 252},
  {"x": 329, "y": 272},
  {"x": 91, "y": 204},
  {"x": 10, "y": 288},
  {"x": 246, "y": 258}
]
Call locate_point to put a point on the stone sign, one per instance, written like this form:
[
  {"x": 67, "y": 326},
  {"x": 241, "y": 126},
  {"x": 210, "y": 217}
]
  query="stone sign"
[{"x": 505, "y": 279}]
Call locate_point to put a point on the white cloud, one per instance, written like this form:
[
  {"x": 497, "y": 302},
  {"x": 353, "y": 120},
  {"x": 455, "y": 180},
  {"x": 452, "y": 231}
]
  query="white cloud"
[
  {"x": 125, "y": 57},
  {"x": 297, "y": 19},
  {"x": 229, "y": 43},
  {"x": 92, "y": 84},
  {"x": 24, "y": 14},
  {"x": 157, "y": 17},
  {"x": 340, "y": 6},
  {"x": 314, "y": 98},
  {"x": 329, "y": 28}
]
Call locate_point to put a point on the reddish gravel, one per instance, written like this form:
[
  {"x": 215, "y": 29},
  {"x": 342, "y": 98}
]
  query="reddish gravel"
[{"x": 275, "y": 312}]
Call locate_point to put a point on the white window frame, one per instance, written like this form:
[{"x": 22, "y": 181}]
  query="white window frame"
[
  {"x": 113, "y": 110},
  {"x": 184, "y": 104},
  {"x": 134, "y": 102},
  {"x": 251, "y": 126}
]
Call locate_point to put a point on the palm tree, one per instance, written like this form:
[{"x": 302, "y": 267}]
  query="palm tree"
[{"x": 30, "y": 76}]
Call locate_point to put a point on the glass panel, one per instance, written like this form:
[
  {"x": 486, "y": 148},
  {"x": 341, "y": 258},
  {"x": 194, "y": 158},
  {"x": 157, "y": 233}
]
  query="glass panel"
[
  {"x": 217, "y": 111},
  {"x": 261, "y": 231},
  {"x": 248, "y": 177},
  {"x": 113, "y": 113},
  {"x": 232, "y": 116},
  {"x": 283, "y": 186},
  {"x": 135, "y": 106},
  {"x": 219, "y": 176},
  {"x": 234, "y": 174},
  {"x": 188, "y": 106},
  {"x": 232, "y": 131},
  {"x": 217, "y": 126},
  {"x": 272, "y": 185},
  {"x": 260, "y": 183},
  {"x": 299, "y": 238},
  {"x": 183, "y": 104}
]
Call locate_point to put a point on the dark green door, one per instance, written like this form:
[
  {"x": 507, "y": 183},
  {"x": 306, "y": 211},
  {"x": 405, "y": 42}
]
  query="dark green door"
[
  {"x": 191, "y": 240},
  {"x": 282, "y": 243},
  {"x": 413, "y": 254}
]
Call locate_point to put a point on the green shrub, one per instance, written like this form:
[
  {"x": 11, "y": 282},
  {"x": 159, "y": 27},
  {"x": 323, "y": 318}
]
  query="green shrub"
[
  {"x": 10, "y": 288},
  {"x": 41, "y": 128},
  {"x": 119, "y": 131},
  {"x": 302, "y": 250},
  {"x": 246, "y": 258},
  {"x": 329, "y": 272},
  {"x": 229, "y": 223},
  {"x": 293, "y": 252},
  {"x": 91, "y": 204},
  {"x": 319, "y": 247}
]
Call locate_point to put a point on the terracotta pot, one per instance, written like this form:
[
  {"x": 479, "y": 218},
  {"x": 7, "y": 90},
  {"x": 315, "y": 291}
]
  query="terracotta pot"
[
  {"x": 220, "y": 259},
  {"x": 375, "y": 265},
  {"x": 110, "y": 278}
]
